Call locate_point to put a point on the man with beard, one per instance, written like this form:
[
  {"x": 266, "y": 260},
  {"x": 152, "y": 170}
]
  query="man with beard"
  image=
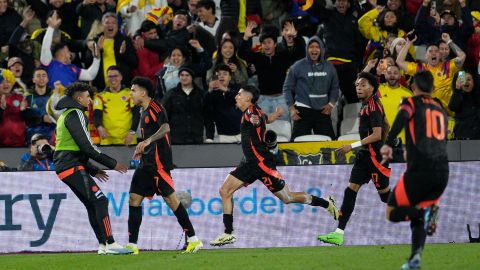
[
  {"x": 442, "y": 71},
  {"x": 391, "y": 94}
]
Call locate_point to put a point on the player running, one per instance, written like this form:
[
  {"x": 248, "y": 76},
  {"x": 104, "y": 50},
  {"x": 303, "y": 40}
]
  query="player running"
[
  {"x": 416, "y": 196},
  {"x": 258, "y": 163},
  {"x": 153, "y": 175},
  {"x": 73, "y": 150},
  {"x": 373, "y": 129}
]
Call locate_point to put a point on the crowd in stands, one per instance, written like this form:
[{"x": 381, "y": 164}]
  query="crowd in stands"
[{"x": 303, "y": 55}]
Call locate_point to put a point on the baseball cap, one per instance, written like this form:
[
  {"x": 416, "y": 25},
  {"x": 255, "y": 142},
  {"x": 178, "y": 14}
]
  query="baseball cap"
[{"x": 13, "y": 60}]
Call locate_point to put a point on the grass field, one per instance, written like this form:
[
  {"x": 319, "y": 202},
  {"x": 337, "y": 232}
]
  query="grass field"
[{"x": 436, "y": 256}]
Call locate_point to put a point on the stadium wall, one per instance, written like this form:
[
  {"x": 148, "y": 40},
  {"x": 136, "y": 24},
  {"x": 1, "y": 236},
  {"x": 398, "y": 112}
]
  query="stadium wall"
[{"x": 40, "y": 214}]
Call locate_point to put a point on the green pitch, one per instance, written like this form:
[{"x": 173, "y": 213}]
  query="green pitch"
[{"x": 436, "y": 256}]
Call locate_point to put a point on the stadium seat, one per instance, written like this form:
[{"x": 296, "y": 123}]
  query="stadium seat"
[
  {"x": 282, "y": 128},
  {"x": 349, "y": 137},
  {"x": 351, "y": 120},
  {"x": 312, "y": 138}
]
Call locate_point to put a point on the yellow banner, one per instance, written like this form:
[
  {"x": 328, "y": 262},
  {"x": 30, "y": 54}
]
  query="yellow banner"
[{"x": 313, "y": 153}]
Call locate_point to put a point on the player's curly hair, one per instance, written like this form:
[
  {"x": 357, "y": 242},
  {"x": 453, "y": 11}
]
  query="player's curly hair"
[{"x": 77, "y": 87}]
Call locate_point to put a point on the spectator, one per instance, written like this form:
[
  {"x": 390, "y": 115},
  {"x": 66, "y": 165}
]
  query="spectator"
[
  {"x": 444, "y": 50},
  {"x": 442, "y": 71},
  {"x": 380, "y": 67},
  {"x": 12, "y": 107},
  {"x": 15, "y": 65},
  {"x": 343, "y": 41},
  {"x": 20, "y": 45},
  {"x": 9, "y": 19},
  {"x": 149, "y": 62},
  {"x": 465, "y": 102},
  {"x": 40, "y": 157},
  {"x": 212, "y": 24},
  {"x": 311, "y": 90},
  {"x": 271, "y": 68},
  {"x": 228, "y": 56},
  {"x": 177, "y": 5},
  {"x": 89, "y": 11},
  {"x": 377, "y": 34},
  {"x": 168, "y": 78},
  {"x": 430, "y": 25},
  {"x": 274, "y": 12},
  {"x": 134, "y": 12},
  {"x": 221, "y": 111},
  {"x": 291, "y": 42},
  {"x": 116, "y": 50},
  {"x": 58, "y": 60},
  {"x": 238, "y": 10},
  {"x": 115, "y": 116},
  {"x": 185, "y": 109},
  {"x": 391, "y": 94},
  {"x": 38, "y": 120},
  {"x": 192, "y": 10},
  {"x": 65, "y": 10},
  {"x": 405, "y": 19},
  {"x": 473, "y": 48}
]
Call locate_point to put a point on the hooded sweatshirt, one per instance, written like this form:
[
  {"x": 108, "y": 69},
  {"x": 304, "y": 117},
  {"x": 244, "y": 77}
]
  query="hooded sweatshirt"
[{"x": 312, "y": 84}]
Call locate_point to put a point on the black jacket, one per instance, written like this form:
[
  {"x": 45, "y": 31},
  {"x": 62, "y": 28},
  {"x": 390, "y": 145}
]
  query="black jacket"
[
  {"x": 222, "y": 112},
  {"x": 230, "y": 8},
  {"x": 88, "y": 14},
  {"x": 77, "y": 124},
  {"x": 185, "y": 115},
  {"x": 8, "y": 21},
  {"x": 467, "y": 114}
]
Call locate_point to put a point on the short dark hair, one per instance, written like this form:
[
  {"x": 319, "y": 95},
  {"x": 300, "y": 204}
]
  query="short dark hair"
[
  {"x": 206, "y": 4},
  {"x": 77, "y": 87},
  {"x": 116, "y": 68},
  {"x": 253, "y": 90},
  {"x": 269, "y": 31},
  {"x": 40, "y": 69},
  {"x": 424, "y": 81},
  {"x": 147, "y": 25},
  {"x": 372, "y": 80},
  {"x": 223, "y": 67},
  {"x": 58, "y": 47},
  {"x": 144, "y": 83}
]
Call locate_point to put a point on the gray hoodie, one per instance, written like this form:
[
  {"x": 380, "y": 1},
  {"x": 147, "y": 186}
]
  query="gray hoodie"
[{"x": 314, "y": 85}]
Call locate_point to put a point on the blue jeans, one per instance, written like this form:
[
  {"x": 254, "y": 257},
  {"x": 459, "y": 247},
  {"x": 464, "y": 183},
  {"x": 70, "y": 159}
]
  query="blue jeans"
[{"x": 268, "y": 104}]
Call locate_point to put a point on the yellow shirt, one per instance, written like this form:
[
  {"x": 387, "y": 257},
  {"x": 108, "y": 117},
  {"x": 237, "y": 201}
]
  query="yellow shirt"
[
  {"x": 391, "y": 98},
  {"x": 442, "y": 79},
  {"x": 242, "y": 16},
  {"x": 117, "y": 115},
  {"x": 108, "y": 57}
]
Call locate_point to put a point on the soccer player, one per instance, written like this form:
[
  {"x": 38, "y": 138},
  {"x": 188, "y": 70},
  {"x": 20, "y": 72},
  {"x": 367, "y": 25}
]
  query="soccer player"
[
  {"x": 153, "y": 175},
  {"x": 72, "y": 152},
  {"x": 258, "y": 163},
  {"x": 416, "y": 196},
  {"x": 373, "y": 128}
]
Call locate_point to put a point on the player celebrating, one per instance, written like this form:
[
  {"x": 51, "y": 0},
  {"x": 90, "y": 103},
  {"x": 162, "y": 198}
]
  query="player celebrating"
[
  {"x": 259, "y": 163},
  {"x": 373, "y": 128},
  {"x": 72, "y": 152},
  {"x": 417, "y": 193},
  {"x": 153, "y": 175}
]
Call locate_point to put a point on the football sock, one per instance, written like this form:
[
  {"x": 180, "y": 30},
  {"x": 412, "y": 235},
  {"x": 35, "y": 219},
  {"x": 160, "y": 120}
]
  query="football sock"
[
  {"x": 316, "y": 201},
  {"x": 103, "y": 220},
  {"x": 384, "y": 196},
  {"x": 348, "y": 205},
  {"x": 134, "y": 221},
  {"x": 184, "y": 220},
  {"x": 404, "y": 213},
  {"x": 228, "y": 222},
  {"x": 418, "y": 236}
]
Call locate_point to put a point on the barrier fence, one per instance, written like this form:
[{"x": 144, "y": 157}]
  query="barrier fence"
[{"x": 40, "y": 213}]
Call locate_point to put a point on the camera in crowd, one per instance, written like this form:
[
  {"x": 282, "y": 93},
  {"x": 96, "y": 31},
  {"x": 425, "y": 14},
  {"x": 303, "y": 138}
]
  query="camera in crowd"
[{"x": 43, "y": 147}]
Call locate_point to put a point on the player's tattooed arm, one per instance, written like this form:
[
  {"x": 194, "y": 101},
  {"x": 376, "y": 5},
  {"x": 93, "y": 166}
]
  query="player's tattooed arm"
[{"x": 164, "y": 129}]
